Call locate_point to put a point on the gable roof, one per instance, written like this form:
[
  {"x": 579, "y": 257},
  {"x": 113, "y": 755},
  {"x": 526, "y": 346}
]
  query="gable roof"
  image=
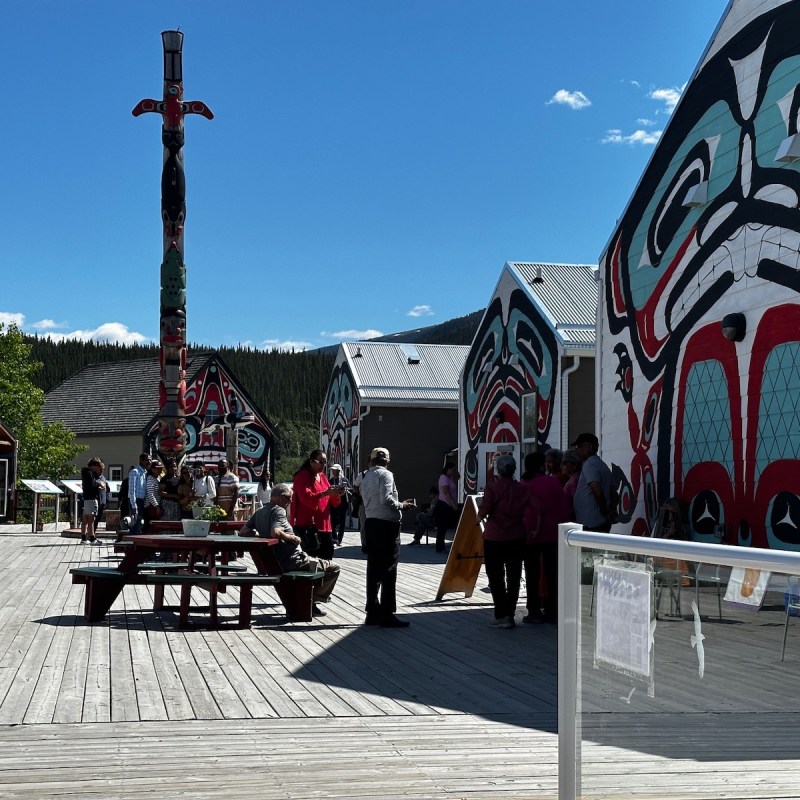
[
  {"x": 566, "y": 296},
  {"x": 390, "y": 374},
  {"x": 115, "y": 398}
]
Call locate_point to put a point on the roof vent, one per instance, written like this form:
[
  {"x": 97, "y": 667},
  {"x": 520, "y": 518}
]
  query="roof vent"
[
  {"x": 538, "y": 278},
  {"x": 411, "y": 353},
  {"x": 358, "y": 353}
]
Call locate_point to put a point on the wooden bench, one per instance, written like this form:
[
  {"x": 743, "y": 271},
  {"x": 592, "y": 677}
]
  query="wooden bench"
[
  {"x": 104, "y": 584},
  {"x": 213, "y": 583}
]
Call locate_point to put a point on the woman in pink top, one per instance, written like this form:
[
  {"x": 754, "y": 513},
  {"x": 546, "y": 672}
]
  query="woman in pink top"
[
  {"x": 445, "y": 512},
  {"x": 547, "y": 511},
  {"x": 503, "y": 506},
  {"x": 311, "y": 500}
]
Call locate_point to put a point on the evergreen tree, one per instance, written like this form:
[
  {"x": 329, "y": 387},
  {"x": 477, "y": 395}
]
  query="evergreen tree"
[{"x": 45, "y": 449}]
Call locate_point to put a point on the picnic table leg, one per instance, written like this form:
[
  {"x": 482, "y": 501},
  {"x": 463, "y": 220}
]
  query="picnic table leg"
[
  {"x": 297, "y": 597},
  {"x": 186, "y": 598},
  {"x": 158, "y": 597},
  {"x": 100, "y": 596},
  {"x": 245, "y": 605}
]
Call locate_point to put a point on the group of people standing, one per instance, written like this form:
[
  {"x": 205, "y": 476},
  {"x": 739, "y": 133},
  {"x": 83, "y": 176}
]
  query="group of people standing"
[
  {"x": 305, "y": 518},
  {"x": 157, "y": 490},
  {"x": 522, "y": 519}
]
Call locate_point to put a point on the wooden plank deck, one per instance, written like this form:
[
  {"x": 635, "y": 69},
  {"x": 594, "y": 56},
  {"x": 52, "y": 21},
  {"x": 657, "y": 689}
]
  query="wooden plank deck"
[{"x": 135, "y": 707}]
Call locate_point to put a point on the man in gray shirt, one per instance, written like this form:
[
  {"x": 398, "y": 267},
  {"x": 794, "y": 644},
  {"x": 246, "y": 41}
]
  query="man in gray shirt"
[
  {"x": 383, "y": 511},
  {"x": 270, "y": 521},
  {"x": 592, "y": 501}
]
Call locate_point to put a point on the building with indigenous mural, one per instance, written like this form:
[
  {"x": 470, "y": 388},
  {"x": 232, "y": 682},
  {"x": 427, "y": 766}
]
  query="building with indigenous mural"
[
  {"x": 700, "y": 312},
  {"x": 400, "y": 396},
  {"x": 111, "y": 410},
  {"x": 529, "y": 378}
]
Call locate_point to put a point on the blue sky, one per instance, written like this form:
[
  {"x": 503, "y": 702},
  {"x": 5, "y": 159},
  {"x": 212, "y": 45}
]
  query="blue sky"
[{"x": 371, "y": 166}]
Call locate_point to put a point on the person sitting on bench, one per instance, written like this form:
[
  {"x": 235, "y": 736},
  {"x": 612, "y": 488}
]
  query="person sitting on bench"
[{"x": 271, "y": 521}]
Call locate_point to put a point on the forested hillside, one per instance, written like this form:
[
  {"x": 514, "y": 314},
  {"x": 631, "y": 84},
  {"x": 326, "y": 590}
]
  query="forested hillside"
[{"x": 289, "y": 387}]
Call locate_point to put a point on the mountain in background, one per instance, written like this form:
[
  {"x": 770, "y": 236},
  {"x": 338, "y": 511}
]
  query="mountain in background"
[
  {"x": 460, "y": 330},
  {"x": 288, "y": 387}
]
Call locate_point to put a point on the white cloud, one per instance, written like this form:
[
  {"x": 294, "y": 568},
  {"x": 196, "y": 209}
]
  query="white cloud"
[
  {"x": 369, "y": 333},
  {"x": 637, "y": 137},
  {"x": 647, "y": 123},
  {"x": 574, "y": 100},
  {"x": 10, "y": 318},
  {"x": 420, "y": 311},
  {"x": 669, "y": 97},
  {"x": 113, "y": 332},
  {"x": 277, "y": 344},
  {"x": 47, "y": 325}
]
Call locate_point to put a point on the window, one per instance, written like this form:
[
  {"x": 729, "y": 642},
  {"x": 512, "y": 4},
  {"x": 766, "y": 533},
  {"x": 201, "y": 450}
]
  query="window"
[
  {"x": 115, "y": 473},
  {"x": 530, "y": 429}
]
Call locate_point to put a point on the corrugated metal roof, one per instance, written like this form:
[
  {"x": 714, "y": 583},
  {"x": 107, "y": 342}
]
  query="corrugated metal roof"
[
  {"x": 567, "y": 294},
  {"x": 384, "y": 372}
]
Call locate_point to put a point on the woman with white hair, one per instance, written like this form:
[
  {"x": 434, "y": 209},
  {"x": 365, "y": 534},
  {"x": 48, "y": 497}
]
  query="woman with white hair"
[{"x": 503, "y": 507}]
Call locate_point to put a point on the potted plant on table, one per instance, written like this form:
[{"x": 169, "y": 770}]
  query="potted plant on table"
[{"x": 204, "y": 517}]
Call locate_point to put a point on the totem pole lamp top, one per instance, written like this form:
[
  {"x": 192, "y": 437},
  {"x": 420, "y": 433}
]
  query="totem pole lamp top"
[{"x": 173, "y": 44}]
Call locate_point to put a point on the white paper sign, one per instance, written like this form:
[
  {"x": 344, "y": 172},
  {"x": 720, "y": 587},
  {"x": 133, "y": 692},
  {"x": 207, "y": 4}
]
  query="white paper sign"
[{"x": 622, "y": 637}]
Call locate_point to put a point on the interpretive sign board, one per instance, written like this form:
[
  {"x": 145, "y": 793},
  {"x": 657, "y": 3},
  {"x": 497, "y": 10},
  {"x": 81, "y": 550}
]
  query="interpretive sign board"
[
  {"x": 39, "y": 487},
  {"x": 42, "y": 487}
]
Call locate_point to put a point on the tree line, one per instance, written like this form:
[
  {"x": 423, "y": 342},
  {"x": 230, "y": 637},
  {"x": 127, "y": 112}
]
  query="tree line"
[{"x": 287, "y": 386}]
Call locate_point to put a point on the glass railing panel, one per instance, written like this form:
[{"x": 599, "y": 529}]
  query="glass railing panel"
[{"x": 687, "y": 682}]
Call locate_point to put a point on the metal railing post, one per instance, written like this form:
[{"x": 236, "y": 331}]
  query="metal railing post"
[{"x": 569, "y": 746}]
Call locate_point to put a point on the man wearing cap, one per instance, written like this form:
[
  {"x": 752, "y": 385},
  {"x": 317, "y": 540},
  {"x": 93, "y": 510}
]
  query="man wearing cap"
[
  {"x": 339, "y": 513},
  {"x": 383, "y": 512},
  {"x": 592, "y": 501}
]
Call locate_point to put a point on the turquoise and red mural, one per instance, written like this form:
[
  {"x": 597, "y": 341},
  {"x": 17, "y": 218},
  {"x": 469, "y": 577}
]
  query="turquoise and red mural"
[
  {"x": 339, "y": 423},
  {"x": 214, "y": 402},
  {"x": 513, "y": 352},
  {"x": 713, "y": 233}
]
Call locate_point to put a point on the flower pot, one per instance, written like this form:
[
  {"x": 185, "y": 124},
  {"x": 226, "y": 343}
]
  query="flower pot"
[{"x": 195, "y": 527}]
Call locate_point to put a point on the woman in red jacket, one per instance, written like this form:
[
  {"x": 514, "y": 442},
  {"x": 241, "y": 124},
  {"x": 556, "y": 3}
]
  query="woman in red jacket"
[{"x": 310, "y": 510}]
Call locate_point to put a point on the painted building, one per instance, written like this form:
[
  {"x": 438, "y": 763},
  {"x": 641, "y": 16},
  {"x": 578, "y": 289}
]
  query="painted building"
[
  {"x": 529, "y": 378},
  {"x": 400, "y": 396},
  {"x": 8, "y": 471},
  {"x": 700, "y": 320},
  {"x": 113, "y": 409}
]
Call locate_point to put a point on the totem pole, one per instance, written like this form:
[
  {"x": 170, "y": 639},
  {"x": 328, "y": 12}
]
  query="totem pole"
[{"x": 172, "y": 437}]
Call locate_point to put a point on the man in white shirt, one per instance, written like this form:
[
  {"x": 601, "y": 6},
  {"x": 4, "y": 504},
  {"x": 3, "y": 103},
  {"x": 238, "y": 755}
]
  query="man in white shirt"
[{"x": 383, "y": 511}]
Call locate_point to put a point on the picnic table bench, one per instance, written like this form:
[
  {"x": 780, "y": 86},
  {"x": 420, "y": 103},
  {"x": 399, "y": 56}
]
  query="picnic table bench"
[{"x": 104, "y": 584}]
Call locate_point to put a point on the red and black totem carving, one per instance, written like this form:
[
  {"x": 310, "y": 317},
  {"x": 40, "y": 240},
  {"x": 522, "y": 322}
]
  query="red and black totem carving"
[{"x": 172, "y": 436}]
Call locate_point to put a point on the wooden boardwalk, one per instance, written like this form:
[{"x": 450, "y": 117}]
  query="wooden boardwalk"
[{"x": 135, "y": 707}]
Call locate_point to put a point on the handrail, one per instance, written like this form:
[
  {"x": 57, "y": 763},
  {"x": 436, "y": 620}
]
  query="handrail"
[
  {"x": 571, "y": 539},
  {"x": 729, "y": 555}
]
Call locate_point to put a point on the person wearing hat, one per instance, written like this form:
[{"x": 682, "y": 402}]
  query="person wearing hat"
[
  {"x": 592, "y": 501},
  {"x": 503, "y": 506},
  {"x": 383, "y": 511},
  {"x": 152, "y": 503},
  {"x": 339, "y": 513}
]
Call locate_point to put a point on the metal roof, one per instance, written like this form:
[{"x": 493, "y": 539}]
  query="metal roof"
[
  {"x": 389, "y": 373},
  {"x": 567, "y": 295}
]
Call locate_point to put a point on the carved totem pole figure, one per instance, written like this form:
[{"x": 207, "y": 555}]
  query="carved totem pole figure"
[{"x": 172, "y": 436}]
